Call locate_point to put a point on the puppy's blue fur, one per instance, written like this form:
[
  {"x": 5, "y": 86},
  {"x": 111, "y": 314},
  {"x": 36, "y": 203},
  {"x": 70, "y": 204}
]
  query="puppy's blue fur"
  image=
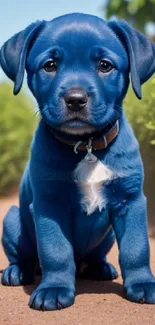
[{"x": 50, "y": 223}]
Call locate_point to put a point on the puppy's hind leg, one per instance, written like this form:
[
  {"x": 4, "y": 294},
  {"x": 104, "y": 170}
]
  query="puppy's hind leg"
[
  {"x": 97, "y": 266},
  {"x": 19, "y": 250}
]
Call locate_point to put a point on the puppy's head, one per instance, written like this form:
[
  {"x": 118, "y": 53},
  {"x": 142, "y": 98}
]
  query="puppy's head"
[{"x": 78, "y": 69}]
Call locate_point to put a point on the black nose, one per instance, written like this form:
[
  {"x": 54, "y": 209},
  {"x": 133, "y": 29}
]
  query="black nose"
[{"x": 76, "y": 99}]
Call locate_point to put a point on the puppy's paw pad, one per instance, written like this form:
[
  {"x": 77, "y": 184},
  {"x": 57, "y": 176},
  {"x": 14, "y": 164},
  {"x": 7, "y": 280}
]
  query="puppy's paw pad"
[
  {"x": 141, "y": 292},
  {"x": 14, "y": 276},
  {"x": 102, "y": 272},
  {"x": 51, "y": 298}
]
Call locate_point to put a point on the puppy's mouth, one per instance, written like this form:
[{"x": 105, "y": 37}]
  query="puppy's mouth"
[{"x": 76, "y": 127}]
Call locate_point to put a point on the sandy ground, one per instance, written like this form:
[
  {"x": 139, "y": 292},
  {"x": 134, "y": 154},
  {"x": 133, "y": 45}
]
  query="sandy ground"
[{"x": 96, "y": 302}]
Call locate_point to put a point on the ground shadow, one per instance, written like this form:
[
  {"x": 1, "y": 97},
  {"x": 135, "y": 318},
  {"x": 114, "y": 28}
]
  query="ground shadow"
[
  {"x": 28, "y": 289},
  {"x": 86, "y": 287},
  {"x": 99, "y": 287}
]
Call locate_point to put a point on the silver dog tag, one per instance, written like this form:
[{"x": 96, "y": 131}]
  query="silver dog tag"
[{"x": 90, "y": 158}]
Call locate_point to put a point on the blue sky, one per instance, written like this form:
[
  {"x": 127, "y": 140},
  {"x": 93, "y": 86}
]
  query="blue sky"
[{"x": 17, "y": 14}]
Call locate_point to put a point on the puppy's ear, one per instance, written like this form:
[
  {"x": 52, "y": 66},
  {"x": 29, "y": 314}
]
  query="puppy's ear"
[
  {"x": 140, "y": 50},
  {"x": 14, "y": 52}
]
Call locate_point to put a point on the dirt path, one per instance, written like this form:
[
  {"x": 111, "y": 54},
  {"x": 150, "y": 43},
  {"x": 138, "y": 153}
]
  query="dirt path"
[{"x": 96, "y": 302}]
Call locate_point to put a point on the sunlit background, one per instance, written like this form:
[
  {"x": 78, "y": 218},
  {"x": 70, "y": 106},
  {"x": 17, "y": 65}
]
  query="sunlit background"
[{"x": 17, "y": 118}]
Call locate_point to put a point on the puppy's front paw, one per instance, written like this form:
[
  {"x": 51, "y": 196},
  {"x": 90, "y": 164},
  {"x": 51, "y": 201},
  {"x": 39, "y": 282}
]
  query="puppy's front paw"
[
  {"x": 141, "y": 292},
  {"x": 13, "y": 275},
  {"x": 52, "y": 298}
]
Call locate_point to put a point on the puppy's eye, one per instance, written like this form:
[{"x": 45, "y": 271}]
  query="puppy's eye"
[
  {"x": 105, "y": 66},
  {"x": 50, "y": 66}
]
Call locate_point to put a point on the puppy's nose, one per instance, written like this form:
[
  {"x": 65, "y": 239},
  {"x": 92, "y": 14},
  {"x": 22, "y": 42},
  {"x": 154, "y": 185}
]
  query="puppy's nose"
[{"x": 76, "y": 99}]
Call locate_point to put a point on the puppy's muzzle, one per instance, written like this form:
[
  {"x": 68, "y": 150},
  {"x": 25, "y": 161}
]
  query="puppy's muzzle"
[{"x": 76, "y": 99}]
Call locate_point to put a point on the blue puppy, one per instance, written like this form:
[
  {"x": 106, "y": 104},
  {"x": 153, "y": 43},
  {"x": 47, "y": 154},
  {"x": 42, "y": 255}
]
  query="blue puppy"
[{"x": 83, "y": 183}]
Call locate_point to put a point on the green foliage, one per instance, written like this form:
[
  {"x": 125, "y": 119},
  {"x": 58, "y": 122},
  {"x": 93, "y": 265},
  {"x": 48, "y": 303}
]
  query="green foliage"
[
  {"x": 137, "y": 12},
  {"x": 141, "y": 114},
  {"x": 151, "y": 126},
  {"x": 17, "y": 123}
]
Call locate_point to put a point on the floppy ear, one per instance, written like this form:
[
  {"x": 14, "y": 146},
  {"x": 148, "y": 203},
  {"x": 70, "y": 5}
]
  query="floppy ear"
[
  {"x": 14, "y": 52},
  {"x": 140, "y": 50}
]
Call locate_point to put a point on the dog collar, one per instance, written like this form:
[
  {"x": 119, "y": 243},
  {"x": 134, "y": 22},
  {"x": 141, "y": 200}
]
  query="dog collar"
[{"x": 95, "y": 144}]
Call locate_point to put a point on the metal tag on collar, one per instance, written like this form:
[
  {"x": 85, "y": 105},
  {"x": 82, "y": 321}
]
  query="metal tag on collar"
[{"x": 90, "y": 158}]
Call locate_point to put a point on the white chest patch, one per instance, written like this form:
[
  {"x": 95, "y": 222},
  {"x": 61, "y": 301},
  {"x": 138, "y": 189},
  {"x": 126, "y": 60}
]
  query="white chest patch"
[{"x": 90, "y": 178}]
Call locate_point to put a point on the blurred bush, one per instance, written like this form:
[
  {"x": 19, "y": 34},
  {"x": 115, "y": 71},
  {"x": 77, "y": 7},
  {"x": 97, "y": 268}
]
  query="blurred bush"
[
  {"x": 17, "y": 122},
  {"x": 141, "y": 115},
  {"x": 137, "y": 12}
]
